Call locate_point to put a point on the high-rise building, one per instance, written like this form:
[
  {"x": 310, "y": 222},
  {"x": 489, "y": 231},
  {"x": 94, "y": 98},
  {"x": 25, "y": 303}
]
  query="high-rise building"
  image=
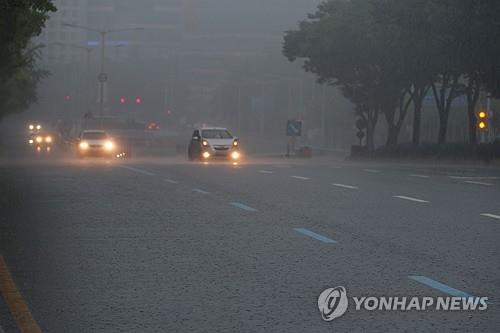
[{"x": 55, "y": 33}]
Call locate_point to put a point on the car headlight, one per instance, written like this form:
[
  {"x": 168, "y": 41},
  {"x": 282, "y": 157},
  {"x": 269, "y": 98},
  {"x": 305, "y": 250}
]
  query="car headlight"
[
  {"x": 31, "y": 127},
  {"x": 206, "y": 154},
  {"x": 204, "y": 143},
  {"x": 235, "y": 155},
  {"x": 30, "y": 141},
  {"x": 84, "y": 145},
  {"x": 39, "y": 139},
  {"x": 48, "y": 139},
  {"x": 109, "y": 145},
  {"x": 38, "y": 127},
  {"x": 235, "y": 143}
]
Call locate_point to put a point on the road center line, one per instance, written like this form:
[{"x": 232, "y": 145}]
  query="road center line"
[
  {"x": 410, "y": 199},
  {"x": 372, "y": 170},
  {"x": 439, "y": 286},
  {"x": 419, "y": 176},
  {"x": 314, "y": 235},
  {"x": 301, "y": 178},
  {"x": 472, "y": 177},
  {"x": 265, "y": 171},
  {"x": 477, "y": 183},
  {"x": 197, "y": 190},
  {"x": 14, "y": 300},
  {"x": 143, "y": 172},
  {"x": 346, "y": 186},
  {"x": 493, "y": 216},
  {"x": 171, "y": 181},
  {"x": 242, "y": 206}
]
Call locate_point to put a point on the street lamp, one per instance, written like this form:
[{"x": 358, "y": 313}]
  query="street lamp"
[{"x": 102, "y": 75}]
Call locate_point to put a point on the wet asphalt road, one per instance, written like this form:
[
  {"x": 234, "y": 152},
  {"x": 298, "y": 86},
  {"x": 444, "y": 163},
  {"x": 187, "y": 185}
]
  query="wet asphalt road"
[{"x": 168, "y": 246}]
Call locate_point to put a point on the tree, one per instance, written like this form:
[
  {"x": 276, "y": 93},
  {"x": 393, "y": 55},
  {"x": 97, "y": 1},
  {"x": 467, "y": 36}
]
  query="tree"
[
  {"x": 20, "y": 21},
  {"x": 342, "y": 45}
]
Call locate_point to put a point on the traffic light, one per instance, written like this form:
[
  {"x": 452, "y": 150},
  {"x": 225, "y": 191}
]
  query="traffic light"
[
  {"x": 482, "y": 120},
  {"x": 138, "y": 100},
  {"x": 122, "y": 100}
]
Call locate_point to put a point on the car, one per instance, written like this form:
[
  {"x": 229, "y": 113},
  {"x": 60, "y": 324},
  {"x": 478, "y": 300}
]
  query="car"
[
  {"x": 213, "y": 143},
  {"x": 95, "y": 143},
  {"x": 41, "y": 142}
]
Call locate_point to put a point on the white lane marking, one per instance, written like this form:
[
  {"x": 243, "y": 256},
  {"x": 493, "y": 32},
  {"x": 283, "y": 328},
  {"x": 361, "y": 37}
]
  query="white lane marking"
[
  {"x": 301, "y": 178},
  {"x": 143, "y": 172},
  {"x": 265, "y": 171},
  {"x": 410, "y": 199},
  {"x": 477, "y": 183},
  {"x": 419, "y": 176},
  {"x": 473, "y": 177},
  {"x": 197, "y": 190},
  {"x": 346, "y": 186},
  {"x": 493, "y": 216},
  {"x": 372, "y": 170},
  {"x": 171, "y": 181},
  {"x": 282, "y": 166}
]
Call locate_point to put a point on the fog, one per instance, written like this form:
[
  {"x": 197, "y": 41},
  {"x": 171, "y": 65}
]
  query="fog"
[{"x": 192, "y": 63}]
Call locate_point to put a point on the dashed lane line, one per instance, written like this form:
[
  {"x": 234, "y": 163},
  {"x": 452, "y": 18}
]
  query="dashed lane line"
[
  {"x": 171, "y": 181},
  {"x": 265, "y": 171},
  {"x": 243, "y": 206},
  {"x": 143, "y": 172},
  {"x": 372, "y": 170},
  {"x": 403, "y": 197},
  {"x": 346, "y": 186},
  {"x": 314, "y": 235},
  {"x": 439, "y": 286},
  {"x": 477, "y": 183},
  {"x": 200, "y": 191},
  {"x": 301, "y": 178},
  {"x": 493, "y": 216},
  {"x": 419, "y": 176}
]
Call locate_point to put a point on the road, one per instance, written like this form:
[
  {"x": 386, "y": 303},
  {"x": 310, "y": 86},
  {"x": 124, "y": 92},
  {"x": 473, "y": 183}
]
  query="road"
[{"x": 167, "y": 246}]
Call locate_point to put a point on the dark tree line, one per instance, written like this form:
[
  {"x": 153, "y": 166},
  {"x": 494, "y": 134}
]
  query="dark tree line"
[
  {"x": 386, "y": 56},
  {"x": 20, "y": 21}
]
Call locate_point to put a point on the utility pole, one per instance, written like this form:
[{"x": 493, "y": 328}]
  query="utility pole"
[{"x": 102, "y": 75}]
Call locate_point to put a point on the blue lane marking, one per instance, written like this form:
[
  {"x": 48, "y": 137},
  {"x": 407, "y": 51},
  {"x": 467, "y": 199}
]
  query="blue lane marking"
[
  {"x": 439, "y": 286},
  {"x": 242, "y": 206},
  {"x": 315, "y": 235}
]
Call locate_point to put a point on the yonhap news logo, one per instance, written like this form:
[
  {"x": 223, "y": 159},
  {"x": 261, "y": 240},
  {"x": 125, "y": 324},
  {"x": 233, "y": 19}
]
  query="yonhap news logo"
[{"x": 333, "y": 303}]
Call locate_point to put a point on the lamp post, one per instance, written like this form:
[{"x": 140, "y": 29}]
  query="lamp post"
[{"x": 102, "y": 76}]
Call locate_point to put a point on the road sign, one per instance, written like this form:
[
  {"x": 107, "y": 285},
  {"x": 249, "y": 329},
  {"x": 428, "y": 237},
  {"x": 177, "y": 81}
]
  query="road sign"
[
  {"x": 103, "y": 77},
  {"x": 294, "y": 128}
]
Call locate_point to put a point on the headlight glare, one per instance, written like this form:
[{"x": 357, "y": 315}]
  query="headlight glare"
[
  {"x": 84, "y": 145},
  {"x": 108, "y": 145}
]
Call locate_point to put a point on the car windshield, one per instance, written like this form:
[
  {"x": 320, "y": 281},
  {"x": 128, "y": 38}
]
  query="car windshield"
[
  {"x": 94, "y": 135},
  {"x": 216, "y": 134}
]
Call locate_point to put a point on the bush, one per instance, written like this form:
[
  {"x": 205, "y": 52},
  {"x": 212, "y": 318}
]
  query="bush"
[{"x": 456, "y": 151}]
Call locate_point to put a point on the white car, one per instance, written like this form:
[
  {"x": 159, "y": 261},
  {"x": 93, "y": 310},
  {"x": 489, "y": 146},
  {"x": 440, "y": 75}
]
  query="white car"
[
  {"x": 95, "y": 143},
  {"x": 213, "y": 143}
]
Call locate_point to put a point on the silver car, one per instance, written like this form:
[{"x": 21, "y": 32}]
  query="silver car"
[{"x": 213, "y": 143}]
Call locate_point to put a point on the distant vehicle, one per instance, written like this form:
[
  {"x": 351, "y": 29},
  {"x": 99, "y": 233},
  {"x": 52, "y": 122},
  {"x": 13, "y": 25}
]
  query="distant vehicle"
[
  {"x": 41, "y": 142},
  {"x": 95, "y": 143},
  {"x": 213, "y": 143},
  {"x": 34, "y": 128}
]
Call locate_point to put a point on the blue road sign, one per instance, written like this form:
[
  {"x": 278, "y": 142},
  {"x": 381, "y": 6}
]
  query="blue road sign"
[{"x": 294, "y": 128}]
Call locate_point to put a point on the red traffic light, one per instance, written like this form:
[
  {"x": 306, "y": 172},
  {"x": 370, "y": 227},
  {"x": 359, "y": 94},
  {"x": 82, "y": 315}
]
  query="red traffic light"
[
  {"x": 122, "y": 100},
  {"x": 67, "y": 97},
  {"x": 138, "y": 100}
]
